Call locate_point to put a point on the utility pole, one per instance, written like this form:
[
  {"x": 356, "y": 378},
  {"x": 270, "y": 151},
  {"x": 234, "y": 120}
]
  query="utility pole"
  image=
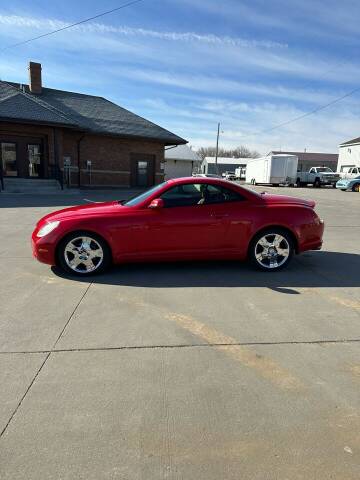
[{"x": 217, "y": 150}]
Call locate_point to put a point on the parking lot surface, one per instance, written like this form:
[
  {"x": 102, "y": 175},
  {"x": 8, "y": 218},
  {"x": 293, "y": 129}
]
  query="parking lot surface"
[{"x": 201, "y": 371}]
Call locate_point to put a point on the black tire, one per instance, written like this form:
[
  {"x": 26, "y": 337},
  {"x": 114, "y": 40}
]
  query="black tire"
[
  {"x": 317, "y": 183},
  {"x": 100, "y": 266},
  {"x": 269, "y": 232},
  {"x": 343, "y": 189},
  {"x": 299, "y": 183},
  {"x": 356, "y": 187}
]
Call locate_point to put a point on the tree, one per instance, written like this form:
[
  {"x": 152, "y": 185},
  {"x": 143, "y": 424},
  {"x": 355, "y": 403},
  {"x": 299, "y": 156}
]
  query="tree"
[{"x": 238, "y": 152}]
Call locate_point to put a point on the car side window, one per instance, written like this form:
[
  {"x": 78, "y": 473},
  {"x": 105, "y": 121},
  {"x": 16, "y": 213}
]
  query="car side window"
[
  {"x": 182, "y": 195},
  {"x": 188, "y": 195},
  {"x": 218, "y": 194}
]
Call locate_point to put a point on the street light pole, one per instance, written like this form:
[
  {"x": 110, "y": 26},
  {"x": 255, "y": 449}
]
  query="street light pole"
[{"x": 217, "y": 150}]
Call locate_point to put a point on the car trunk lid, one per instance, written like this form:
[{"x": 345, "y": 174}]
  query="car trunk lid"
[{"x": 270, "y": 199}]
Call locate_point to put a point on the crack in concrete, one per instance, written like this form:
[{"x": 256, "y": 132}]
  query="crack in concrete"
[
  {"x": 190, "y": 345},
  {"x": 43, "y": 363}
]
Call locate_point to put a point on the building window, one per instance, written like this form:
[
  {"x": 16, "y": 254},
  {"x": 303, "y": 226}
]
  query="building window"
[{"x": 8, "y": 157}]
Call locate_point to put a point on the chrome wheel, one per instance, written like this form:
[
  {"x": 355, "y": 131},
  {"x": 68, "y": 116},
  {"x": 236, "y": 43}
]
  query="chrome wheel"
[
  {"x": 83, "y": 254},
  {"x": 272, "y": 250}
]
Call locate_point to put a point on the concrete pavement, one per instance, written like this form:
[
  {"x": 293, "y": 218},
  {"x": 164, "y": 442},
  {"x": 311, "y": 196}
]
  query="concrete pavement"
[{"x": 178, "y": 371}]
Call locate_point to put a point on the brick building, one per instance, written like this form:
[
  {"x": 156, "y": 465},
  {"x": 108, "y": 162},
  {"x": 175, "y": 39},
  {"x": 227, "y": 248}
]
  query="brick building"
[{"x": 79, "y": 139}]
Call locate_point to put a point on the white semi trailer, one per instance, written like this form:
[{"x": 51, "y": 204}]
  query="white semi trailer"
[{"x": 272, "y": 170}]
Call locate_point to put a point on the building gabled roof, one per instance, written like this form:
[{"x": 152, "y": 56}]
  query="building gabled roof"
[
  {"x": 75, "y": 110},
  {"x": 350, "y": 142},
  {"x": 16, "y": 104},
  {"x": 182, "y": 152},
  {"x": 311, "y": 156}
]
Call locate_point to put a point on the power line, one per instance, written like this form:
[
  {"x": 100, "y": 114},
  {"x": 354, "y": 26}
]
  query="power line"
[
  {"x": 307, "y": 114},
  {"x": 133, "y": 2},
  {"x": 66, "y": 27}
]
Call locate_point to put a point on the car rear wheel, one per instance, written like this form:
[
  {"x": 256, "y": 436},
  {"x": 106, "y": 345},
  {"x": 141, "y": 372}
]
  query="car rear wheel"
[
  {"x": 356, "y": 187},
  {"x": 83, "y": 253},
  {"x": 271, "y": 250}
]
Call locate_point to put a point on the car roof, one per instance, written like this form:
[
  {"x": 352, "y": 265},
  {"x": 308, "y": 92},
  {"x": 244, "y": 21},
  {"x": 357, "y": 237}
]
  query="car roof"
[
  {"x": 214, "y": 181},
  {"x": 182, "y": 180}
]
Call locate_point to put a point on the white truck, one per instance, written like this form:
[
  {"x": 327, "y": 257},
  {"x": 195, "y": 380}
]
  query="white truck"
[
  {"x": 272, "y": 170},
  {"x": 240, "y": 173},
  {"x": 317, "y": 176},
  {"x": 350, "y": 172}
]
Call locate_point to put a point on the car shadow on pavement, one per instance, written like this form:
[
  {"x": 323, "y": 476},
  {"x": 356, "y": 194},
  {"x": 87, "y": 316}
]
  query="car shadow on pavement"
[{"x": 312, "y": 269}]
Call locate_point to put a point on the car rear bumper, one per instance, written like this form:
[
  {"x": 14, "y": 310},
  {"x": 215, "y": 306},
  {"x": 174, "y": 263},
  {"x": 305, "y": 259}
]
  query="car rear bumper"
[{"x": 313, "y": 238}]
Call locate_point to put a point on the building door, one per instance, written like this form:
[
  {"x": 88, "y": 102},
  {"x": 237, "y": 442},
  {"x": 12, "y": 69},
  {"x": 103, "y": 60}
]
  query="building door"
[
  {"x": 22, "y": 157},
  {"x": 34, "y": 160},
  {"x": 142, "y": 170},
  {"x": 9, "y": 159},
  {"x": 142, "y": 173}
]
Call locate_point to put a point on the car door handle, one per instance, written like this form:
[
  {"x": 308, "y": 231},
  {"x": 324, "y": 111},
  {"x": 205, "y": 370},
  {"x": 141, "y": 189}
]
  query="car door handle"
[{"x": 220, "y": 215}]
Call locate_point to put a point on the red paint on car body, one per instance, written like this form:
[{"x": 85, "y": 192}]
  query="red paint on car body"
[{"x": 208, "y": 231}]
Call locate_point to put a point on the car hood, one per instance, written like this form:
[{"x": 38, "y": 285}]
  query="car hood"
[
  {"x": 103, "y": 208},
  {"x": 270, "y": 199}
]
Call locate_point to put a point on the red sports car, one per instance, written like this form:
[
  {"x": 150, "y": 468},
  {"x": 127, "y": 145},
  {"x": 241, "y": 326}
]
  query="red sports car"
[{"x": 182, "y": 219}]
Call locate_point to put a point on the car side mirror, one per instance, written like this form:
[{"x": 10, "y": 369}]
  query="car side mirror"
[{"x": 157, "y": 203}]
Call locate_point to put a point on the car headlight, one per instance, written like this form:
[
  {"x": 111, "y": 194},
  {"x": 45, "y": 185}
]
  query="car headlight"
[{"x": 46, "y": 229}]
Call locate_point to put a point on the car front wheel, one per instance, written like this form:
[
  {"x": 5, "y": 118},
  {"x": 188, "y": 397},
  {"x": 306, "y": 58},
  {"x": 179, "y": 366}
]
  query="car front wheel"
[
  {"x": 271, "y": 250},
  {"x": 356, "y": 187},
  {"x": 83, "y": 253}
]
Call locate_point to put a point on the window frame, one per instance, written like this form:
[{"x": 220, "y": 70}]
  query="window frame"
[
  {"x": 16, "y": 159},
  {"x": 221, "y": 188}
]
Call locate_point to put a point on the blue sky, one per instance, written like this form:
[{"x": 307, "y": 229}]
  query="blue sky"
[{"x": 187, "y": 64}]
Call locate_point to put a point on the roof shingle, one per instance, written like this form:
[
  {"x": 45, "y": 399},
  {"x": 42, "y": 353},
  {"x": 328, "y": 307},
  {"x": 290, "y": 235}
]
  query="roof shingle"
[{"x": 85, "y": 112}]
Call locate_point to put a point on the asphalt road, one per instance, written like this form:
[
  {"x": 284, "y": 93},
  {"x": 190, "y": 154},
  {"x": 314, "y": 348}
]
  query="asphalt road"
[{"x": 206, "y": 371}]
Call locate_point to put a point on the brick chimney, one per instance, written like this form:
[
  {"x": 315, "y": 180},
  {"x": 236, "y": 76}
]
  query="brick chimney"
[{"x": 35, "y": 83}]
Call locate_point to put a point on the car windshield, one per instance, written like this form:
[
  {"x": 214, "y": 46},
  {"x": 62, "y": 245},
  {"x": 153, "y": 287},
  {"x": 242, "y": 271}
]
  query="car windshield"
[
  {"x": 143, "y": 196},
  {"x": 325, "y": 169}
]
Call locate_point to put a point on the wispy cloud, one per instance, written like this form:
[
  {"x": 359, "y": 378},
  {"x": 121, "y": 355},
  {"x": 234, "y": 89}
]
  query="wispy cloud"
[
  {"x": 188, "y": 80},
  {"x": 211, "y": 39},
  {"x": 215, "y": 83},
  {"x": 193, "y": 50},
  {"x": 243, "y": 123}
]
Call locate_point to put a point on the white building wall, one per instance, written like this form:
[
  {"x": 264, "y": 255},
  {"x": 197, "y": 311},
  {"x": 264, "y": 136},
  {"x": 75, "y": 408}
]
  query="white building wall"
[
  {"x": 178, "y": 168},
  {"x": 349, "y": 156}
]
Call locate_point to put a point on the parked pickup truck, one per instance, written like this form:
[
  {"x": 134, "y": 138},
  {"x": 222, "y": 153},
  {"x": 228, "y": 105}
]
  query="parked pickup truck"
[
  {"x": 351, "y": 172},
  {"x": 317, "y": 176},
  {"x": 229, "y": 175}
]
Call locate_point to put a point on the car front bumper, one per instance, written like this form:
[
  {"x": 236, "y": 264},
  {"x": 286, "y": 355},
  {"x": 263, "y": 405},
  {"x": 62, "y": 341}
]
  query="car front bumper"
[{"x": 43, "y": 249}]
